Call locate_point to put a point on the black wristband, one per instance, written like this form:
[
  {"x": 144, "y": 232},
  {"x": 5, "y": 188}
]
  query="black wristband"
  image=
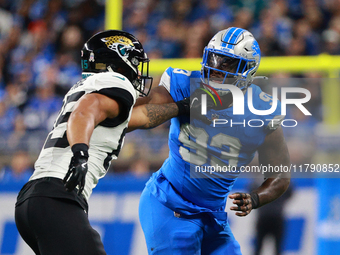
[
  {"x": 81, "y": 147},
  {"x": 255, "y": 200},
  {"x": 183, "y": 106}
]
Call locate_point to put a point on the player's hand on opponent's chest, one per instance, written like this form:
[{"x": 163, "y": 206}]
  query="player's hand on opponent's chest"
[
  {"x": 201, "y": 100},
  {"x": 77, "y": 169}
]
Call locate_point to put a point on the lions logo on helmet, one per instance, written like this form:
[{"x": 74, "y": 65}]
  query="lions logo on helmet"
[
  {"x": 231, "y": 57},
  {"x": 256, "y": 49},
  {"x": 120, "y": 44}
]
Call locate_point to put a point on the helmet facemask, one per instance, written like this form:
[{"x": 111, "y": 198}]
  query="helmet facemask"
[
  {"x": 136, "y": 69},
  {"x": 225, "y": 68},
  {"x": 230, "y": 63},
  {"x": 143, "y": 81}
]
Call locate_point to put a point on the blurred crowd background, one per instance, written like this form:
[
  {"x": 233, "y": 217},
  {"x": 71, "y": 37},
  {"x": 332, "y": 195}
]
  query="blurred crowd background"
[{"x": 40, "y": 43}]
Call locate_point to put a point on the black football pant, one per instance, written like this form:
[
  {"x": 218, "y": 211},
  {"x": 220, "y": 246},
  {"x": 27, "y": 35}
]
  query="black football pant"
[{"x": 57, "y": 226}]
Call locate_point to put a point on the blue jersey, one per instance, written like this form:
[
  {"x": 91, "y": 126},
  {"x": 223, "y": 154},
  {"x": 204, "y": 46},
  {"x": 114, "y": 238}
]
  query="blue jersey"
[{"x": 230, "y": 143}]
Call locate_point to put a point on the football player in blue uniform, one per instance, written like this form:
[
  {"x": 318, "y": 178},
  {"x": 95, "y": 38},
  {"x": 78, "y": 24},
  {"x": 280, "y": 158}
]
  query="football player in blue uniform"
[{"x": 182, "y": 210}]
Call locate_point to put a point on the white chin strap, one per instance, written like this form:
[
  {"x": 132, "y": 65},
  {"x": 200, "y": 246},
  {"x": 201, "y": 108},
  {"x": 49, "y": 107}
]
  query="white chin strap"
[{"x": 260, "y": 77}]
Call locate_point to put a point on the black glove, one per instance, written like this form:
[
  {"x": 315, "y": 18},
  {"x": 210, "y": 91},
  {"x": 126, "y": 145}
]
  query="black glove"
[
  {"x": 77, "y": 169},
  {"x": 193, "y": 105}
]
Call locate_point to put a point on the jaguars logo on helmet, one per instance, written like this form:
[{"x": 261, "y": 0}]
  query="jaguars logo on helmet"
[
  {"x": 120, "y": 44},
  {"x": 118, "y": 51}
]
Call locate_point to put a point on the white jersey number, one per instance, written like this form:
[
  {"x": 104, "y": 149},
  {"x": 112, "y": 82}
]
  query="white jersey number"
[{"x": 200, "y": 146}]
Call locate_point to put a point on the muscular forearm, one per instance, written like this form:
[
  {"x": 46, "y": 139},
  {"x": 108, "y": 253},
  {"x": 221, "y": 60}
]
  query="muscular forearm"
[
  {"x": 158, "y": 114},
  {"x": 272, "y": 189},
  {"x": 274, "y": 152},
  {"x": 151, "y": 115}
]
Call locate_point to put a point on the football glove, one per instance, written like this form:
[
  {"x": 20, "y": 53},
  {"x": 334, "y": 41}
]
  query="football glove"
[
  {"x": 77, "y": 169},
  {"x": 193, "y": 104}
]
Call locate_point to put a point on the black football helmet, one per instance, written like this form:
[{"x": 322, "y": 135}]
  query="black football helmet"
[{"x": 118, "y": 51}]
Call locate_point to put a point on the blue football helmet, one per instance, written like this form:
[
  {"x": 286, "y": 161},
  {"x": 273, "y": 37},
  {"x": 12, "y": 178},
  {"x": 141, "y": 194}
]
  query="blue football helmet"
[{"x": 231, "y": 57}]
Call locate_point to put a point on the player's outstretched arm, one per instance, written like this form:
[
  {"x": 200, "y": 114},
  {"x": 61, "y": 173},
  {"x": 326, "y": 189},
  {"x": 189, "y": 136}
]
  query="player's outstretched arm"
[
  {"x": 158, "y": 107},
  {"x": 89, "y": 111},
  {"x": 152, "y": 115},
  {"x": 158, "y": 95},
  {"x": 152, "y": 110},
  {"x": 273, "y": 152}
]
